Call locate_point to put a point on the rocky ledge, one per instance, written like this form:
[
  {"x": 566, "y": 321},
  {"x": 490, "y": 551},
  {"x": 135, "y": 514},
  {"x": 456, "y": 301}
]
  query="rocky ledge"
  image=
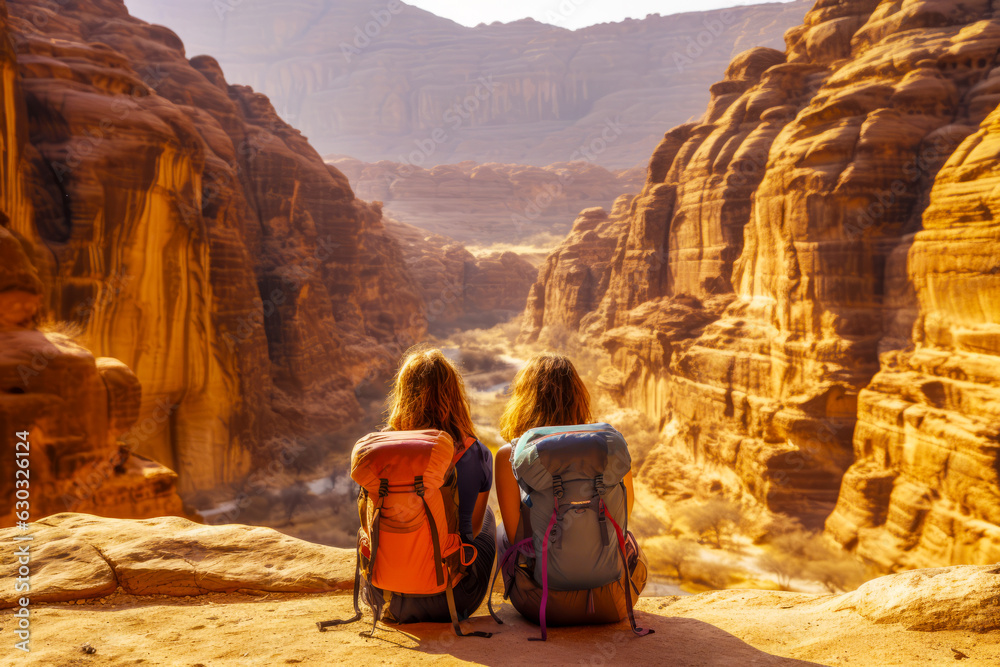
[{"x": 169, "y": 591}]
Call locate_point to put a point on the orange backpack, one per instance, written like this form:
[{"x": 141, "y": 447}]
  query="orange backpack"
[{"x": 409, "y": 539}]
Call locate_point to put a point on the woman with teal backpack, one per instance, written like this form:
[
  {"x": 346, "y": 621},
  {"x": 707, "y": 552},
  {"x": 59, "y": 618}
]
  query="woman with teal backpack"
[{"x": 564, "y": 486}]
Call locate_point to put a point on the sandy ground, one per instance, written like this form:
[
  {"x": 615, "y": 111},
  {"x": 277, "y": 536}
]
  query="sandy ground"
[{"x": 725, "y": 628}]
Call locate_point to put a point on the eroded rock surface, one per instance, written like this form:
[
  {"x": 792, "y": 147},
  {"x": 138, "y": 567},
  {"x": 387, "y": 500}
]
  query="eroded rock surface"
[
  {"x": 925, "y": 487},
  {"x": 63, "y": 414},
  {"x": 193, "y": 235},
  {"x": 106, "y": 581},
  {"x": 81, "y": 556},
  {"x": 462, "y": 290},
  {"x": 953, "y": 598},
  {"x": 782, "y": 298}
]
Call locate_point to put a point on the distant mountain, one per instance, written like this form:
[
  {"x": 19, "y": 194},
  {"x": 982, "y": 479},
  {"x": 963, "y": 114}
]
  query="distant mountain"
[
  {"x": 382, "y": 80},
  {"x": 486, "y": 204}
]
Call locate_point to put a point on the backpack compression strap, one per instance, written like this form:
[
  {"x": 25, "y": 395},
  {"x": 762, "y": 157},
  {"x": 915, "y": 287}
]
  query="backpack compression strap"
[
  {"x": 503, "y": 564},
  {"x": 418, "y": 486},
  {"x": 323, "y": 625},
  {"x": 628, "y": 589},
  {"x": 383, "y": 491},
  {"x": 545, "y": 567},
  {"x": 441, "y": 570}
]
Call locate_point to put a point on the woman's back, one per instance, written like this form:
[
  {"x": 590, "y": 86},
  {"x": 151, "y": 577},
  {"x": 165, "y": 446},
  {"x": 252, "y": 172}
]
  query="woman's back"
[{"x": 577, "y": 479}]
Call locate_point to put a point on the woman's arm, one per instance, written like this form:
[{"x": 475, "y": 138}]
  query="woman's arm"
[
  {"x": 508, "y": 493},
  {"x": 482, "y": 500},
  {"x": 630, "y": 492}
]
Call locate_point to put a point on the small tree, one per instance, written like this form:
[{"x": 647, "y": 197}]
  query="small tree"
[
  {"x": 839, "y": 575},
  {"x": 292, "y": 497},
  {"x": 783, "y": 566},
  {"x": 812, "y": 556},
  {"x": 715, "y": 520},
  {"x": 712, "y": 574},
  {"x": 667, "y": 552}
]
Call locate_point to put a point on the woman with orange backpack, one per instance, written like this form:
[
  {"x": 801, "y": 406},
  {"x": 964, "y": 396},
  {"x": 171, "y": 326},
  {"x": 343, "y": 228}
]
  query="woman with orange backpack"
[
  {"x": 427, "y": 539},
  {"x": 564, "y": 486}
]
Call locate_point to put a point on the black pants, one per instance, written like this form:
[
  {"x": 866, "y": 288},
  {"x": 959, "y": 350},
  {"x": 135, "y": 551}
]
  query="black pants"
[{"x": 470, "y": 591}]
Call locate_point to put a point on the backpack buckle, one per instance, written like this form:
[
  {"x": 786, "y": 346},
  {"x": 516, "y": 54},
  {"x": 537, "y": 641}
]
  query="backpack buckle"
[
  {"x": 557, "y": 486},
  {"x": 418, "y": 485},
  {"x": 599, "y": 484},
  {"x": 602, "y": 523}
]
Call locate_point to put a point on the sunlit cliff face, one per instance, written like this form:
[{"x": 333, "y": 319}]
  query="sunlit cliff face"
[
  {"x": 800, "y": 295},
  {"x": 195, "y": 236},
  {"x": 71, "y": 409}
]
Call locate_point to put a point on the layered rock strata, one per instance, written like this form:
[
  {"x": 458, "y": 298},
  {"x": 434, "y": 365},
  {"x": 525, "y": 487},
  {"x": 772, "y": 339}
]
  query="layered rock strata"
[
  {"x": 925, "y": 485},
  {"x": 462, "y": 290},
  {"x": 384, "y": 80},
  {"x": 196, "y": 237},
  {"x": 783, "y": 253}
]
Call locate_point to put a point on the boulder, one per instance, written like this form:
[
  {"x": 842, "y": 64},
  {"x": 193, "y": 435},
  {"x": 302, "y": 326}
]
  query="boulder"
[{"x": 82, "y": 556}]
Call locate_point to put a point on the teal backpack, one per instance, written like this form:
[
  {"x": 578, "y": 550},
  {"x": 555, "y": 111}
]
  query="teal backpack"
[{"x": 573, "y": 536}]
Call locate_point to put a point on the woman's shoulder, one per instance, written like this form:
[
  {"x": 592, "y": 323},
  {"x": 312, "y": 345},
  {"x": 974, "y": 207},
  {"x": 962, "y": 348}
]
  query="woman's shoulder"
[
  {"x": 480, "y": 454},
  {"x": 480, "y": 449}
]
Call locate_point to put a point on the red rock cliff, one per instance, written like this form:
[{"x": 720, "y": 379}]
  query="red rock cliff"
[
  {"x": 778, "y": 259},
  {"x": 195, "y": 236}
]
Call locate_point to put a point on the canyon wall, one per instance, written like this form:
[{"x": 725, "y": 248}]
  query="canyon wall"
[
  {"x": 190, "y": 233},
  {"x": 923, "y": 489},
  {"x": 383, "y": 80},
  {"x": 62, "y": 414},
  {"x": 462, "y": 290},
  {"x": 782, "y": 298}
]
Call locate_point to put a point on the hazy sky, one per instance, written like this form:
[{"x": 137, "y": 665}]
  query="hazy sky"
[{"x": 565, "y": 13}]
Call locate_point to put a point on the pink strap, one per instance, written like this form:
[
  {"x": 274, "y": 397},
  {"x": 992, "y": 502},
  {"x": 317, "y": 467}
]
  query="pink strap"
[
  {"x": 545, "y": 567},
  {"x": 525, "y": 547},
  {"x": 628, "y": 585}
]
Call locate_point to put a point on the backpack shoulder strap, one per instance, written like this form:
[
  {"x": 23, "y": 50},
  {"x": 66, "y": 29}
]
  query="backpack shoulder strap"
[
  {"x": 443, "y": 571},
  {"x": 463, "y": 447}
]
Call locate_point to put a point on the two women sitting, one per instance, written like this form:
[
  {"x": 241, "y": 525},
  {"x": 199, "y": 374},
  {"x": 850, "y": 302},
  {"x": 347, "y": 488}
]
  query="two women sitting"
[{"x": 564, "y": 487}]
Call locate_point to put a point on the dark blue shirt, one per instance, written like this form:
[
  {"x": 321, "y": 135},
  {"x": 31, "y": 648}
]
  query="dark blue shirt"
[{"x": 475, "y": 476}]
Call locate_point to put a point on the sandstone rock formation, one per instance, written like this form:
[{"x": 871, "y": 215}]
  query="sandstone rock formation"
[
  {"x": 105, "y": 582},
  {"x": 422, "y": 90},
  {"x": 81, "y": 556},
  {"x": 195, "y": 236},
  {"x": 461, "y": 290},
  {"x": 63, "y": 412},
  {"x": 925, "y": 486},
  {"x": 570, "y": 281},
  {"x": 930, "y": 599},
  {"x": 486, "y": 204},
  {"x": 783, "y": 253}
]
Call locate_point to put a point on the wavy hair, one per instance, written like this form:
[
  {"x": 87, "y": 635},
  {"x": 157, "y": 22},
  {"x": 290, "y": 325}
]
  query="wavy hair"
[
  {"x": 428, "y": 393},
  {"x": 546, "y": 392}
]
